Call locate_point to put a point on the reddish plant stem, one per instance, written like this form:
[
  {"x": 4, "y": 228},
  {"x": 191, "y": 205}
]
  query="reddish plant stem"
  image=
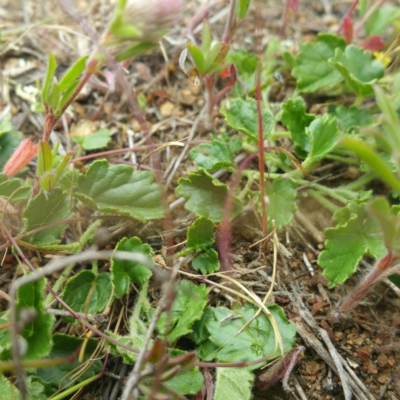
[
  {"x": 224, "y": 234},
  {"x": 261, "y": 163},
  {"x": 370, "y": 280},
  {"x": 231, "y": 23}
]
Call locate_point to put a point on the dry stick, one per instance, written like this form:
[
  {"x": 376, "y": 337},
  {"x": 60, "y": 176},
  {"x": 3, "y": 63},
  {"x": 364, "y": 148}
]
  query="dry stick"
[
  {"x": 186, "y": 148},
  {"x": 134, "y": 376},
  {"x": 56, "y": 265},
  {"x": 350, "y": 380},
  {"x": 230, "y": 26},
  {"x": 311, "y": 322}
]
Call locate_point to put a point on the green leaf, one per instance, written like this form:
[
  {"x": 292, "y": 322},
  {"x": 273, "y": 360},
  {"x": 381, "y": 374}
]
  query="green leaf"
[
  {"x": 65, "y": 97},
  {"x": 188, "y": 382},
  {"x": 257, "y": 340},
  {"x": 296, "y": 120},
  {"x": 38, "y": 333},
  {"x": 187, "y": 308},
  {"x": 358, "y": 69},
  {"x": 88, "y": 292},
  {"x": 8, "y": 143},
  {"x": 245, "y": 63},
  {"x": 213, "y": 156},
  {"x": 118, "y": 189},
  {"x": 313, "y": 71},
  {"x": 206, "y": 40},
  {"x": 126, "y": 272},
  {"x": 60, "y": 376},
  {"x": 351, "y": 118},
  {"x": 242, "y": 6},
  {"x": 8, "y": 186},
  {"x": 354, "y": 236},
  {"x": 233, "y": 383},
  {"x": 135, "y": 50},
  {"x": 206, "y": 195},
  {"x": 94, "y": 141},
  {"x": 242, "y": 115},
  {"x": 45, "y": 209},
  {"x": 45, "y": 158},
  {"x": 72, "y": 74},
  {"x": 51, "y": 69},
  {"x": 7, "y": 390},
  {"x": 373, "y": 160},
  {"x": 198, "y": 57},
  {"x": 36, "y": 388},
  {"x": 215, "y": 57},
  {"x": 379, "y": 21},
  {"x": 199, "y": 332},
  {"x": 54, "y": 95},
  {"x": 281, "y": 204},
  {"x": 389, "y": 221},
  {"x": 134, "y": 341},
  {"x": 6, "y": 124},
  {"x": 324, "y": 134},
  {"x": 200, "y": 234},
  {"x": 206, "y": 262}
]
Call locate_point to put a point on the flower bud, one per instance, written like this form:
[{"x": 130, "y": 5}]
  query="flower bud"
[
  {"x": 137, "y": 25},
  {"x": 23, "y": 154}
]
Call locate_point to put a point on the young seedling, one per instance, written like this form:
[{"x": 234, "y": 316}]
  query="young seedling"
[{"x": 209, "y": 59}]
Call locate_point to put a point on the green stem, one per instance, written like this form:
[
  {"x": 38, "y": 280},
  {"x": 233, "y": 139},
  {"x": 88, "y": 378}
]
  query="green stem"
[
  {"x": 344, "y": 160},
  {"x": 95, "y": 266},
  {"x": 324, "y": 201},
  {"x": 58, "y": 285},
  {"x": 135, "y": 318},
  {"x": 279, "y": 134},
  {"x": 330, "y": 192},
  {"x": 360, "y": 183},
  {"x": 358, "y": 101},
  {"x": 76, "y": 387}
]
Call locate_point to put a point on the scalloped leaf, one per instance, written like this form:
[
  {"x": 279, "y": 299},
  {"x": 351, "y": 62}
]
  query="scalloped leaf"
[
  {"x": 213, "y": 156},
  {"x": 233, "y": 383},
  {"x": 358, "y": 69},
  {"x": 313, "y": 71},
  {"x": 324, "y": 135},
  {"x": 242, "y": 115},
  {"x": 45, "y": 209},
  {"x": 206, "y": 195},
  {"x": 187, "y": 308},
  {"x": 281, "y": 204},
  {"x": 355, "y": 235},
  {"x": 255, "y": 341},
  {"x": 120, "y": 190},
  {"x": 296, "y": 120},
  {"x": 126, "y": 272},
  {"x": 37, "y": 333},
  {"x": 88, "y": 292}
]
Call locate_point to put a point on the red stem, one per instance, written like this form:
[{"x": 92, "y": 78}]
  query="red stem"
[
  {"x": 261, "y": 163},
  {"x": 369, "y": 281}
]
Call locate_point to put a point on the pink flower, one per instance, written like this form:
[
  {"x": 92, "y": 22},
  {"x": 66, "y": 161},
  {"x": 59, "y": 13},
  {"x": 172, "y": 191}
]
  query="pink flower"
[{"x": 21, "y": 157}]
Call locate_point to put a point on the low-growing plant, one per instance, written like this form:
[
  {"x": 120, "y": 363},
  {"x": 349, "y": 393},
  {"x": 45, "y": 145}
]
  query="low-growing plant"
[{"x": 235, "y": 340}]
